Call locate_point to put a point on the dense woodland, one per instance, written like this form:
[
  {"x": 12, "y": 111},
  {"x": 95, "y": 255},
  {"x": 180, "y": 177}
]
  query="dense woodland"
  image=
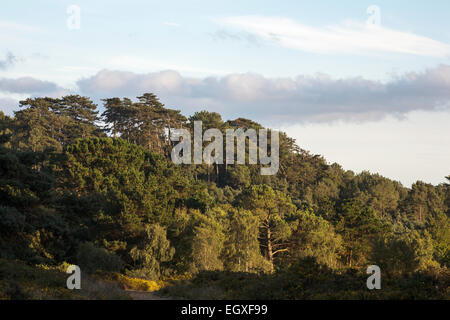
[{"x": 99, "y": 190}]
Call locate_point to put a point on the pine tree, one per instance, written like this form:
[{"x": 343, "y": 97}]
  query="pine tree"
[
  {"x": 112, "y": 115},
  {"x": 273, "y": 209}
]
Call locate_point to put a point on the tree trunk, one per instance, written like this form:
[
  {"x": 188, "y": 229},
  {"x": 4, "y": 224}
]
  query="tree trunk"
[
  {"x": 209, "y": 173},
  {"x": 269, "y": 248}
]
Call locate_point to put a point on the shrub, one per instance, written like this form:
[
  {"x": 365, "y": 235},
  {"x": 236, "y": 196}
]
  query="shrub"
[{"x": 91, "y": 258}]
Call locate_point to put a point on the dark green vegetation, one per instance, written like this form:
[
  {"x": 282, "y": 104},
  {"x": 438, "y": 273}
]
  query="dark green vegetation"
[
  {"x": 20, "y": 281},
  {"x": 71, "y": 194}
]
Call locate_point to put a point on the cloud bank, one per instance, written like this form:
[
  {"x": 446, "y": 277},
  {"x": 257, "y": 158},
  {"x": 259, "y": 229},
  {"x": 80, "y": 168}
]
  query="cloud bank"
[
  {"x": 282, "y": 100},
  {"x": 31, "y": 86},
  {"x": 274, "y": 101},
  {"x": 12, "y": 90}
]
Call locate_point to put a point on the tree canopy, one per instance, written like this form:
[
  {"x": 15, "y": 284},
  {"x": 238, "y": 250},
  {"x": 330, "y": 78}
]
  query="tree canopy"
[{"x": 79, "y": 187}]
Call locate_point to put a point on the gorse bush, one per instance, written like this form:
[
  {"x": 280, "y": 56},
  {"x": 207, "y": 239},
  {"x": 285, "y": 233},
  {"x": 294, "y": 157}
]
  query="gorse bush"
[{"x": 131, "y": 283}]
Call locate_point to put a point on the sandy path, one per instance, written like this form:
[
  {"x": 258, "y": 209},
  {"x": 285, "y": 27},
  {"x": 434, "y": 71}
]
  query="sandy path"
[{"x": 144, "y": 295}]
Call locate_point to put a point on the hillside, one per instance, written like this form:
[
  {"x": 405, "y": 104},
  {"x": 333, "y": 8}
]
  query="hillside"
[{"x": 109, "y": 199}]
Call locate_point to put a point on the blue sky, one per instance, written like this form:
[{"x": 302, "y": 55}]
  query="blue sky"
[{"x": 370, "y": 97}]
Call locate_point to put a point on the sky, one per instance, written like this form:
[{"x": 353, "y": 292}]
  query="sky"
[{"x": 365, "y": 84}]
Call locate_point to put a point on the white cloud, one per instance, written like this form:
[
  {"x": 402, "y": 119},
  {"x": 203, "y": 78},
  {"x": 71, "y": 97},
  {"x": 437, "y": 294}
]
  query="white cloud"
[
  {"x": 348, "y": 38},
  {"x": 172, "y": 24}
]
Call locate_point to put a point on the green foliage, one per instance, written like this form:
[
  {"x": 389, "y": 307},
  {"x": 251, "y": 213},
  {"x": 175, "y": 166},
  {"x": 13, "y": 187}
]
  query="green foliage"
[
  {"x": 359, "y": 225},
  {"x": 276, "y": 215},
  {"x": 20, "y": 281},
  {"x": 12, "y": 220},
  {"x": 315, "y": 237},
  {"x": 207, "y": 245},
  {"x": 52, "y": 123},
  {"x": 422, "y": 200},
  {"x": 238, "y": 176},
  {"x": 69, "y": 193},
  {"x": 308, "y": 280},
  {"x": 242, "y": 250},
  {"x": 438, "y": 224},
  {"x": 91, "y": 258},
  {"x": 404, "y": 253},
  {"x": 151, "y": 253}
]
